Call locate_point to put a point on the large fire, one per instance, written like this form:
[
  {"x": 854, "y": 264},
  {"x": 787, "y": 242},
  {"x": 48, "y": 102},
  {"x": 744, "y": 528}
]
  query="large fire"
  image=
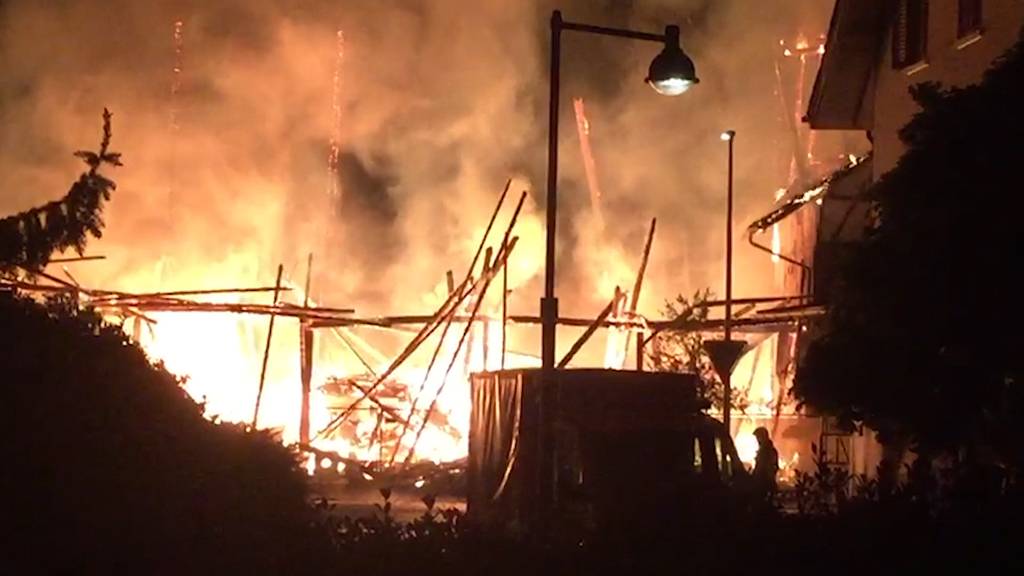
[
  {"x": 421, "y": 410},
  {"x": 221, "y": 354}
]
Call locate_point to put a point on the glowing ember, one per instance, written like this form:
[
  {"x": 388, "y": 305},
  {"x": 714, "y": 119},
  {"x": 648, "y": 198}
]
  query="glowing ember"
[
  {"x": 334, "y": 184},
  {"x": 776, "y": 234},
  {"x": 589, "y": 165},
  {"x": 179, "y": 52}
]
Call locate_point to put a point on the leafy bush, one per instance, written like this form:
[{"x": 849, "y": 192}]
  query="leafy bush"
[
  {"x": 846, "y": 527},
  {"x": 683, "y": 350},
  {"x": 111, "y": 466}
]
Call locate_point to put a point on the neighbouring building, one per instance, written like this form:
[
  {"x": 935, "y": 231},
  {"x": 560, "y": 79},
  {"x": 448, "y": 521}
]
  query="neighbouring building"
[
  {"x": 874, "y": 52},
  {"x": 877, "y": 49}
]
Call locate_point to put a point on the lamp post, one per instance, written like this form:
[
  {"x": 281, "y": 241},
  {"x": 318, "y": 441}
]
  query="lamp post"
[
  {"x": 671, "y": 73},
  {"x": 725, "y": 352},
  {"x": 730, "y": 137}
]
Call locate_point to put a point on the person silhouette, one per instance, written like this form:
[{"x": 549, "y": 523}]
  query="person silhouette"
[{"x": 766, "y": 465}]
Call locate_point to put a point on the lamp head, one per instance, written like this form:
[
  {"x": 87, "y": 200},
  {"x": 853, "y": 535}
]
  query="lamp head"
[
  {"x": 671, "y": 72},
  {"x": 728, "y": 135}
]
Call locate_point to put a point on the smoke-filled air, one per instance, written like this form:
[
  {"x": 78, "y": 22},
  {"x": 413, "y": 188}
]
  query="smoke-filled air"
[{"x": 378, "y": 135}]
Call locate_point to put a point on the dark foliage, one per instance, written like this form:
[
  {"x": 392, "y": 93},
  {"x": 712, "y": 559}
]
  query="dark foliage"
[
  {"x": 28, "y": 239},
  {"x": 110, "y": 467},
  {"x": 863, "y": 533},
  {"x": 683, "y": 351},
  {"x": 922, "y": 341}
]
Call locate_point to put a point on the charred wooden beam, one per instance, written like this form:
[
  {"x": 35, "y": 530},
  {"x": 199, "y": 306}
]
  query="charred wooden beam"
[
  {"x": 635, "y": 297},
  {"x": 578, "y": 344},
  {"x": 446, "y": 309},
  {"x": 266, "y": 351}
]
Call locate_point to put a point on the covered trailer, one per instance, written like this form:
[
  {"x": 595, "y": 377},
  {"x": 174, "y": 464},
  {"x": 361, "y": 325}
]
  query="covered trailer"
[{"x": 626, "y": 444}]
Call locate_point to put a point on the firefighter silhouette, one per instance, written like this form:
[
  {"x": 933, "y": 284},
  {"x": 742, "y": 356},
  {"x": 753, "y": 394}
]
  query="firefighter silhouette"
[{"x": 766, "y": 464}]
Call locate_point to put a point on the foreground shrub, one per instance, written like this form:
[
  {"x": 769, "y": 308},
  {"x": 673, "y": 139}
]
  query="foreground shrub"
[{"x": 110, "y": 466}]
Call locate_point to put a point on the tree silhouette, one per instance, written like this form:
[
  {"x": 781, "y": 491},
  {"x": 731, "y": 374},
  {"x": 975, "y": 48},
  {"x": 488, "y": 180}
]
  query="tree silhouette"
[
  {"x": 683, "y": 351},
  {"x": 922, "y": 339},
  {"x": 28, "y": 239},
  {"x": 109, "y": 466}
]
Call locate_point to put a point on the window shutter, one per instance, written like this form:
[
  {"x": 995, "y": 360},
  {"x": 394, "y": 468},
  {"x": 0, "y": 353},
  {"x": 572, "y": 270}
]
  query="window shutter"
[{"x": 968, "y": 17}]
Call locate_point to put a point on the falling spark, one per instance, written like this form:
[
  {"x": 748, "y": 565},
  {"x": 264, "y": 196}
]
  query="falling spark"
[
  {"x": 589, "y": 166},
  {"x": 776, "y": 234},
  {"x": 334, "y": 185},
  {"x": 179, "y": 54}
]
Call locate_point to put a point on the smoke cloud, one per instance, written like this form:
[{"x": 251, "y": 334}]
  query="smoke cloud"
[{"x": 440, "y": 103}]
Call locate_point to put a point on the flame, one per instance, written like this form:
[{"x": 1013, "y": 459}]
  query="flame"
[
  {"x": 776, "y": 234},
  {"x": 746, "y": 447},
  {"x": 334, "y": 184},
  {"x": 220, "y": 355},
  {"x": 589, "y": 164}
]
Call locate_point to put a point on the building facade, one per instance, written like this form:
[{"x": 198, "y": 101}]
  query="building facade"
[
  {"x": 875, "y": 52},
  {"x": 878, "y": 49}
]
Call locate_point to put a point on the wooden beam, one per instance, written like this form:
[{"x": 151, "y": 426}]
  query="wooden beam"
[
  {"x": 446, "y": 309},
  {"x": 635, "y": 297},
  {"x": 151, "y": 295},
  {"x": 578, "y": 344},
  {"x": 501, "y": 260},
  {"x": 266, "y": 350},
  {"x": 305, "y": 359}
]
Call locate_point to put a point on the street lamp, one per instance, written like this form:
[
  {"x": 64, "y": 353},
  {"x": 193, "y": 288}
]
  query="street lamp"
[
  {"x": 724, "y": 353},
  {"x": 730, "y": 137},
  {"x": 671, "y": 73}
]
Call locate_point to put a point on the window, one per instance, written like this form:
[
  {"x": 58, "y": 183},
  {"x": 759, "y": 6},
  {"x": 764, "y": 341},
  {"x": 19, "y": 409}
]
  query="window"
[
  {"x": 910, "y": 33},
  {"x": 968, "y": 17}
]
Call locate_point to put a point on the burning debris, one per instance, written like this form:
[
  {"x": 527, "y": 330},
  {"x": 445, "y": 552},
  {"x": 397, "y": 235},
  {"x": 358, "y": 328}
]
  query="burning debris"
[{"x": 360, "y": 389}]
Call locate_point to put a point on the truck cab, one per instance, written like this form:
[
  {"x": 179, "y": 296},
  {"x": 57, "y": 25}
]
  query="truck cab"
[{"x": 627, "y": 446}]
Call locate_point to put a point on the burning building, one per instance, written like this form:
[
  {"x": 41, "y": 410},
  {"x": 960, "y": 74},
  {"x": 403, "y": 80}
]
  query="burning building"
[
  {"x": 874, "y": 53},
  {"x": 255, "y": 135}
]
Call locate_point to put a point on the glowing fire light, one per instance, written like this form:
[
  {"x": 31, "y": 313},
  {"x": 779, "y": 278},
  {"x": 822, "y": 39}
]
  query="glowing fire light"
[
  {"x": 334, "y": 184},
  {"x": 776, "y": 234},
  {"x": 179, "y": 52},
  {"x": 589, "y": 166}
]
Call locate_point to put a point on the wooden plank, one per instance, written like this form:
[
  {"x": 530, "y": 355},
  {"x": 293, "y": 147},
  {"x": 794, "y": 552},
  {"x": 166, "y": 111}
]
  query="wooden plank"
[
  {"x": 446, "y": 309},
  {"x": 578, "y": 344},
  {"x": 635, "y": 297},
  {"x": 266, "y": 350}
]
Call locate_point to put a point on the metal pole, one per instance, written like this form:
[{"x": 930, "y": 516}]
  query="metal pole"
[
  {"x": 727, "y": 404},
  {"x": 549, "y": 304},
  {"x": 504, "y": 313}
]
